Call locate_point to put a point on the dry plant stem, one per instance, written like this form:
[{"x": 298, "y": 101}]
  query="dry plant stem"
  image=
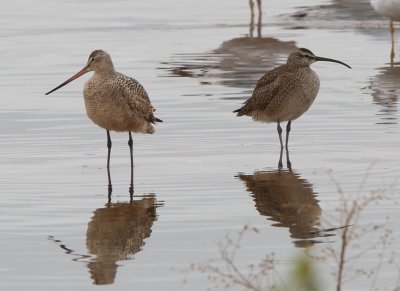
[
  {"x": 343, "y": 250},
  {"x": 351, "y": 213},
  {"x": 258, "y": 277},
  {"x": 229, "y": 260}
]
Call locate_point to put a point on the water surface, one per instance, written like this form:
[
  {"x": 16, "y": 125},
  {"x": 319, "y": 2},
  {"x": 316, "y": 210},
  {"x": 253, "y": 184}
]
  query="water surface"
[{"x": 205, "y": 173}]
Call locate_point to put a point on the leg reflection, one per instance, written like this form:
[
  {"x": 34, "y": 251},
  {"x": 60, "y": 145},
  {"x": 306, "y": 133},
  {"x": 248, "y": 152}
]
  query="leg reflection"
[
  {"x": 288, "y": 162},
  {"x": 109, "y": 145},
  {"x": 130, "y": 143},
  {"x": 280, "y": 164}
]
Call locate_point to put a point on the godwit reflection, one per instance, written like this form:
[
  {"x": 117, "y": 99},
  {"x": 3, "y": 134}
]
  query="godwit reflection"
[
  {"x": 285, "y": 197},
  {"x": 117, "y": 232}
]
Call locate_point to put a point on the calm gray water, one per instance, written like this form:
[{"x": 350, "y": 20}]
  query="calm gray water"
[{"x": 205, "y": 173}]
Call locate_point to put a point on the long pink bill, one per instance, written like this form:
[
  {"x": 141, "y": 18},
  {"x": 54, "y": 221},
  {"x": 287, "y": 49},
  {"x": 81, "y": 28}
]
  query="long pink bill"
[{"x": 77, "y": 75}]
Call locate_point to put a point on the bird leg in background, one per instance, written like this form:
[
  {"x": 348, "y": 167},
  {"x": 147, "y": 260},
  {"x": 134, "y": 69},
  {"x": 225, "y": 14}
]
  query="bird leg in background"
[
  {"x": 392, "y": 35},
  {"x": 259, "y": 24},
  {"x": 251, "y": 24},
  {"x": 130, "y": 143},
  {"x": 109, "y": 144},
  {"x": 287, "y": 132},
  {"x": 279, "y": 128}
]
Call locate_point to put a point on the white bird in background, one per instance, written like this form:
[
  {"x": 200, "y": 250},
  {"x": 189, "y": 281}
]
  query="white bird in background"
[{"x": 389, "y": 9}]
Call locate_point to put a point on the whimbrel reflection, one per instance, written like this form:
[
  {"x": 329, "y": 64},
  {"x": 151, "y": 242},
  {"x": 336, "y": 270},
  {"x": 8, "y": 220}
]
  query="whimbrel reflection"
[
  {"x": 386, "y": 92},
  {"x": 285, "y": 197},
  {"x": 117, "y": 232}
]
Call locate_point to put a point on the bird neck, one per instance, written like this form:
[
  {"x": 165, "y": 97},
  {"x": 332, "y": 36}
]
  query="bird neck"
[
  {"x": 298, "y": 66},
  {"x": 105, "y": 72}
]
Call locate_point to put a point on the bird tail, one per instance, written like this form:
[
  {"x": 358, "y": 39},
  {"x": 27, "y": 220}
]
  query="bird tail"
[{"x": 238, "y": 111}]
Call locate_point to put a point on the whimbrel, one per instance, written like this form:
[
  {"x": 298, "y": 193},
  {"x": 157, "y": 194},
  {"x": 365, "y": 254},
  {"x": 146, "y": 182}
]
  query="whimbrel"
[
  {"x": 114, "y": 102},
  {"x": 389, "y": 9},
  {"x": 286, "y": 92}
]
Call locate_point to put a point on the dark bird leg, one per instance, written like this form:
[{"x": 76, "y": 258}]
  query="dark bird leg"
[
  {"x": 130, "y": 143},
  {"x": 287, "y": 132},
  {"x": 109, "y": 144},
  {"x": 279, "y": 128}
]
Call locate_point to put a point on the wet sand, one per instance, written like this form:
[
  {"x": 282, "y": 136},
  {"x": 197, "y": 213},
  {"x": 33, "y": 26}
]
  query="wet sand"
[{"x": 195, "y": 178}]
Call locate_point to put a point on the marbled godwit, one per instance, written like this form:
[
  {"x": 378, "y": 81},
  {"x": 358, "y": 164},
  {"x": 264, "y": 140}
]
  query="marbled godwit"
[
  {"x": 286, "y": 92},
  {"x": 114, "y": 102},
  {"x": 389, "y": 9}
]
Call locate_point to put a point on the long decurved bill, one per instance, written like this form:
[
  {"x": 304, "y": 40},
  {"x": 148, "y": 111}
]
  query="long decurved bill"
[
  {"x": 77, "y": 75},
  {"x": 331, "y": 60}
]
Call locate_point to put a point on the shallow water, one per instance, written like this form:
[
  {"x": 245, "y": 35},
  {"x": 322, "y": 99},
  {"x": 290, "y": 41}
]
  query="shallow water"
[{"x": 205, "y": 173}]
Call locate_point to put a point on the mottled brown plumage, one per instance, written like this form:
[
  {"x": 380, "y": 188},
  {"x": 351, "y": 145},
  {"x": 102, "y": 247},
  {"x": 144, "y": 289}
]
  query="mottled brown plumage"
[
  {"x": 114, "y": 101},
  {"x": 286, "y": 92}
]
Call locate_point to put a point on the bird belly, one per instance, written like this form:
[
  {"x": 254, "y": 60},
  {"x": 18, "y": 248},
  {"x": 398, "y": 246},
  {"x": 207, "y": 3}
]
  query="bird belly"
[
  {"x": 115, "y": 117},
  {"x": 289, "y": 108},
  {"x": 387, "y": 8},
  {"x": 297, "y": 106}
]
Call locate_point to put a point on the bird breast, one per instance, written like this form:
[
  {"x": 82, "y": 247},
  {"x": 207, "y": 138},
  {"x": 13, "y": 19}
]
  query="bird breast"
[
  {"x": 305, "y": 88},
  {"x": 295, "y": 96}
]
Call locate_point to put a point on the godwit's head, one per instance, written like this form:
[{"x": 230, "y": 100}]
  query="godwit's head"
[
  {"x": 99, "y": 61},
  {"x": 304, "y": 57}
]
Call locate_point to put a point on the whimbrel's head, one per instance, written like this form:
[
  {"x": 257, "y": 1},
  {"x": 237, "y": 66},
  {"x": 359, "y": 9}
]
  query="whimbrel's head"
[
  {"x": 304, "y": 57},
  {"x": 99, "y": 61}
]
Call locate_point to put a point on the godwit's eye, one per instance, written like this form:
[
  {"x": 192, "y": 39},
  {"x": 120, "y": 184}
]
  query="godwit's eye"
[{"x": 91, "y": 59}]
